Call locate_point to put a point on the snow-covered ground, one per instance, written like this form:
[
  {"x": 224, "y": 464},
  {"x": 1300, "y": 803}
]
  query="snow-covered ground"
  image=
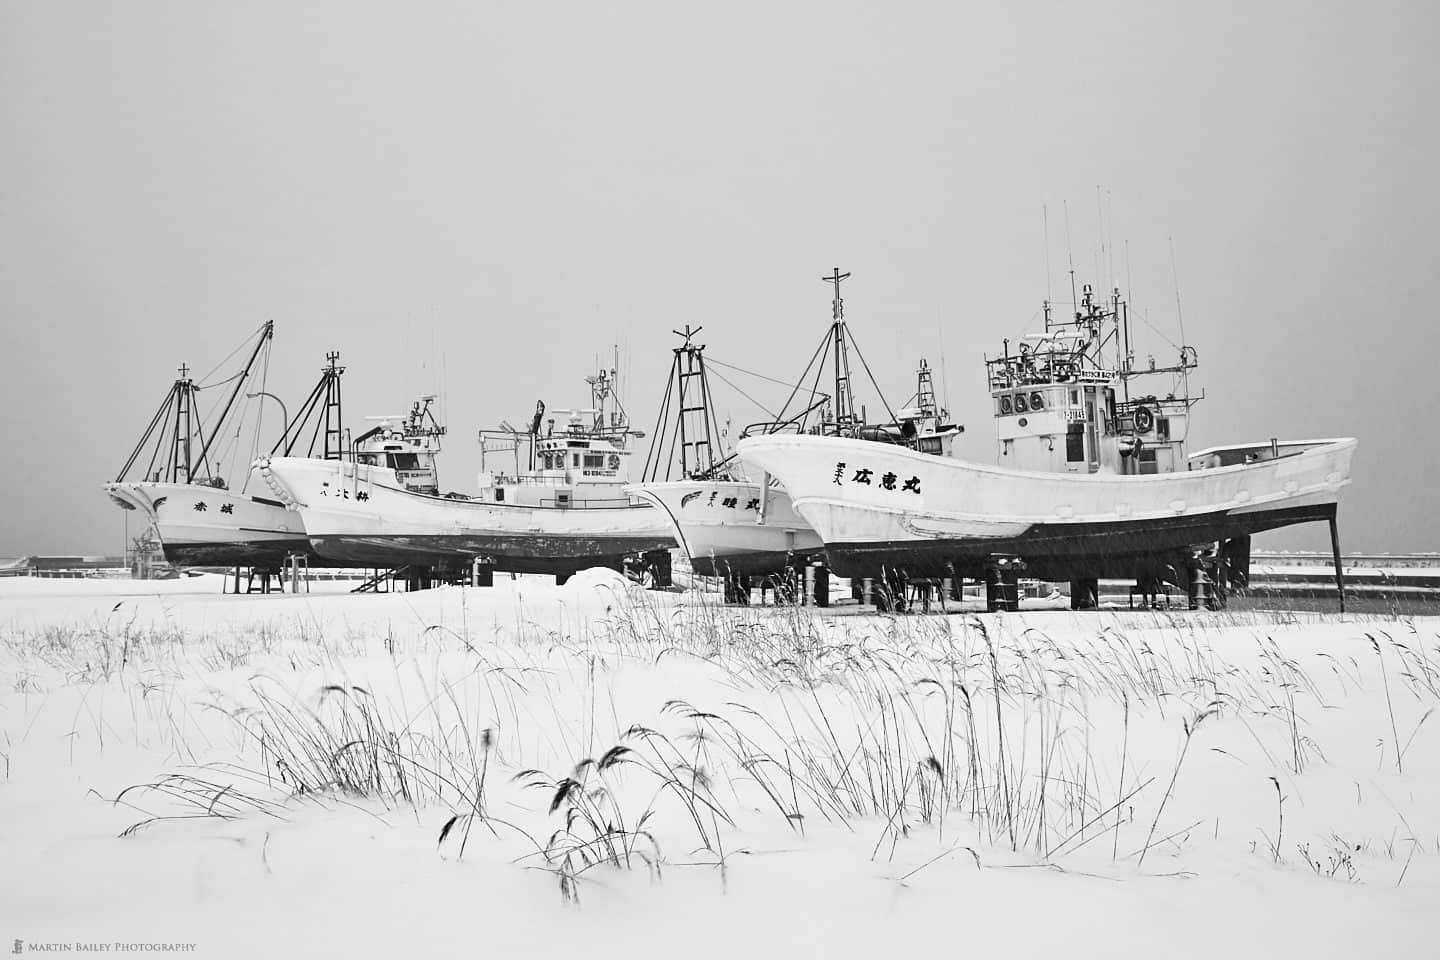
[{"x": 545, "y": 770}]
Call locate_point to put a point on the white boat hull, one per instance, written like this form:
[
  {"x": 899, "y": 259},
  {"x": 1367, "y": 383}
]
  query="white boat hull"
[
  {"x": 200, "y": 525},
  {"x": 362, "y": 515},
  {"x": 935, "y": 516},
  {"x": 718, "y": 524}
]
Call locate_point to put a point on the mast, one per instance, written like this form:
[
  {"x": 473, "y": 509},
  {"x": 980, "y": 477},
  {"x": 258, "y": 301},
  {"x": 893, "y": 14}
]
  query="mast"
[
  {"x": 173, "y": 429},
  {"x": 184, "y": 394},
  {"x": 323, "y": 403},
  {"x": 925, "y": 391},
  {"x": 695, "y": 430},
  {"x": 844, "y": 401},
  {"x": 334, "y": 425},
  {"x": 266, "y": 332}
]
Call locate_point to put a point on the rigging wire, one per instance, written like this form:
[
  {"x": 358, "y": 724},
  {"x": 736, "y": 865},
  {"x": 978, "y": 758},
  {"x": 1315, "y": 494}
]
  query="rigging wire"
[
  {"x": 763, "y": 409},
  {"x": 751, "y": 373},
  {"x": 823, "y": 345},
  {"x": 239, "y": 349},
  {"x": 259, "y": 415},
  {"x": 878, "y": 392}
]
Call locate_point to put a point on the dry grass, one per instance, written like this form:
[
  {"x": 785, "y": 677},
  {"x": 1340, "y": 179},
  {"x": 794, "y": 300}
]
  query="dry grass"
[{"x": 981, "y": 732}]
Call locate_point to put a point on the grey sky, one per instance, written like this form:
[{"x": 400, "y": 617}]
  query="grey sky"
[{"x": 502, "y": 190}]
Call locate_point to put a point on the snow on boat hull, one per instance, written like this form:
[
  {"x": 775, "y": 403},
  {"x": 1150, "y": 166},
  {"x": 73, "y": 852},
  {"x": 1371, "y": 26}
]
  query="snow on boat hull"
[
  {"x": 717, "y": 523},
  {"x": 200, "y": 525},
  {"x": 934, "y": 516},
  {"x": 362, "y": 515}
]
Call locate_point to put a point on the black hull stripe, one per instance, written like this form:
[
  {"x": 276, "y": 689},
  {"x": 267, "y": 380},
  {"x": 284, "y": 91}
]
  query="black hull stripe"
[
  {"x": 267, "y": 553},
  {"x": 1069, "y": 551},
  {"x": 510, "y": 554}
]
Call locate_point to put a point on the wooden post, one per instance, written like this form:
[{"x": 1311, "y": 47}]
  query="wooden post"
[{"x": 1339, "y": 571}]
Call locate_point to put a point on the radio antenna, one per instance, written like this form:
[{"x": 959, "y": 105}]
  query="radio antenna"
[
  {"x": 1070, "y": 255},
  {"x": 1045, "y": 213},
  {"x": 1175, "y": 279}
]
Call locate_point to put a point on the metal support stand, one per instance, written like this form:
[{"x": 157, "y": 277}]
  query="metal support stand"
[
  {"x": 1200, "y": 590},
  {"x": 923, "y": 589},
  {"x": 1002, "y": 584},
  {"x": 419, "y": 578},
  {"x": 1339, "y": 571},
  {"x": 1084, "y": 594},
  {"x": 661, "y": 575},
  {"x": 294, "y": 564},
  {"x": 820, "y": 584},
  {"x": 482, "y": 572},
  {"x": 890, "y": 595}
]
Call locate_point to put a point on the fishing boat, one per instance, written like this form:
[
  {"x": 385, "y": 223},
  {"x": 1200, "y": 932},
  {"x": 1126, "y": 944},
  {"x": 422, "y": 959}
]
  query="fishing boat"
[
  {"x": 714, "y": 510},
  {"x": 199, "y": 518},
  {"x": 736, "y": 527},
  {"x": 1092, "y": 480},
  {"x": 566, "y": 510}
]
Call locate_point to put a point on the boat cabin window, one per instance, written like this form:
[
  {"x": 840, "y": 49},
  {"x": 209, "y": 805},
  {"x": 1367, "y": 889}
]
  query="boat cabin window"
[
  {"x": 499, "y": 494},
  {"x": 562, "y": 499},
  {"x": 1162, "y": 428},
  {"x": 1147, "y": 461},
  {"x": 574, "y": 459},
  {"x": 368, "y": 459},
  {"x": 403, "y": 461},
  {"x": 594, "y": 461}
]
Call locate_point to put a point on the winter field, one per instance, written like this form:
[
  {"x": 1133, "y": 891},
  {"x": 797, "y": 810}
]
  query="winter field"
[{"x": 533, "y": 769}]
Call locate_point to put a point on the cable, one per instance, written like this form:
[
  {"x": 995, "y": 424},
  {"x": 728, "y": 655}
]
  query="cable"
[
  {"x": 752, "y": 373},
  {"x": 763, "y": 409}
]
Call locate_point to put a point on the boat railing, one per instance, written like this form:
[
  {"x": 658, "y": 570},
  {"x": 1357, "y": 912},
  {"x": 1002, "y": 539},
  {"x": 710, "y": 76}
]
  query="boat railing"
[
  {"x": 1017, "y": 370},
  {"x": 531, "y": 480},
  {"x": 769, "y": 427},
  {"x": 609, "y": 503},
  {"x": 539, "y": 480}
]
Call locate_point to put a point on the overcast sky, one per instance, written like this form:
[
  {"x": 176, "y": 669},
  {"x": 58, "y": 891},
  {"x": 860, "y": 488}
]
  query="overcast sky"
[{"x": 480, "y": 198}]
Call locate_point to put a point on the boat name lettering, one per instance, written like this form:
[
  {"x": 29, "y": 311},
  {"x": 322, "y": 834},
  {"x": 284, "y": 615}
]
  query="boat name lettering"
[
  {"x": 727, "y": 503},
  {"x": 201, "y": 505},
  {"x": 888, "y": 481},
  {"x": 227, "y": 508}
]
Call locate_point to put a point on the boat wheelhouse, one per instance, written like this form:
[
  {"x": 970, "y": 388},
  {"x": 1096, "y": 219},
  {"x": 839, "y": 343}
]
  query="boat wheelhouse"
[{"x": 1062, "y": 400}]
